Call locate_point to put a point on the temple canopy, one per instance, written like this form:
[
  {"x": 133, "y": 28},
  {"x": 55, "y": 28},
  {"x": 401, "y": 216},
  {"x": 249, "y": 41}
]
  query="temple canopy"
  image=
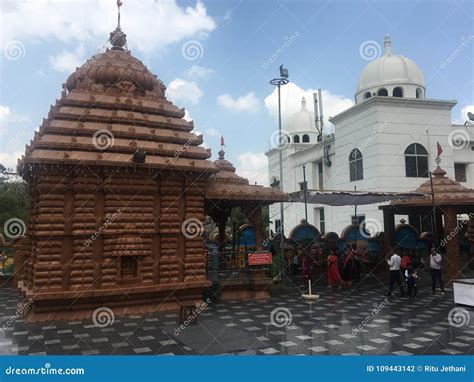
[{"x": 348, "y": 198}]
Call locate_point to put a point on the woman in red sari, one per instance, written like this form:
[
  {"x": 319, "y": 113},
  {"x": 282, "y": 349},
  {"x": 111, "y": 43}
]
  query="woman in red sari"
[{"x": 333, "y": 270}]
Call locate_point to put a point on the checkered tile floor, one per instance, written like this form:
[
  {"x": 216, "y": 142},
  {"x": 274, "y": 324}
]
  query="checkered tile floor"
[{"x": 340, "y": 322}]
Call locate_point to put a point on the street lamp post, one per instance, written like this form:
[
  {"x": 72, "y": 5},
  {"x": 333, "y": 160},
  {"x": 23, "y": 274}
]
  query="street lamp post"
[{"x": 282, "y": 80}]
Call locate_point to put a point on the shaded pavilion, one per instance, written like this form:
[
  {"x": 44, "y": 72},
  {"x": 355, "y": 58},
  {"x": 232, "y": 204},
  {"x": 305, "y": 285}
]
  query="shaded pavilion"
[
  {"x": 450, "y": 200},
  {"x": 227, "y": 190}
]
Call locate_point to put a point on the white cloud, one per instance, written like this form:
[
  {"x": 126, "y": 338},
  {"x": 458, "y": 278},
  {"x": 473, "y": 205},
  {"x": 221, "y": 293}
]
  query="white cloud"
[
  {"x": 291, "y": 95},
  {"x": 197, "y": 71},
  {"x": 254, "y": 167},
  {"x": 150, "y": 25},
  {"x": 66, "y": 61},
  {"x": 7, "y": 116},
  {"x": 464, "y": 111},
  {"x": 10, "y": 160},
  {"x": 187, "y": 116},
  {"x": 184, "y": 91},
  {"x": 212, "y": 132},
  {"x": 247, "y": 103}
]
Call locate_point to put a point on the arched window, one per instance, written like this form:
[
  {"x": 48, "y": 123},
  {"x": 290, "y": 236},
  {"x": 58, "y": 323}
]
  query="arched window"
[
  {"x": 382, "y": 92},
  {"x": 356, "y": 167},
  {"x": 367, "y": 95},
  {"x": 419, "y": 93},
  {"x": 397, "y": 92},
  {"x": 416, "y": 161},
  {"x": 305, "y": 138},
  {"x": 296, "y": 139}
]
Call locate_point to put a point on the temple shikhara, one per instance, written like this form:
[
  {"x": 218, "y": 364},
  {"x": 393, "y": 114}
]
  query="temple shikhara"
[{"x": 118, "y": 184}]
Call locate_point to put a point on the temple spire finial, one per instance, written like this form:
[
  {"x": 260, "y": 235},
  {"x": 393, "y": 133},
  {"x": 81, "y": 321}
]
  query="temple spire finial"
[
  {"x": 222, "y": 152},
  {"x": 303, "y": 103},
  {"x": 387, "y": 45},
  {"x": 119, "y": 4},
  {"x": 118, "y": 39}
]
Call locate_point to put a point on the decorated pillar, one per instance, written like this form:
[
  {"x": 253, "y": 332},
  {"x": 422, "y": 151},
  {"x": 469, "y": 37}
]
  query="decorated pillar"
[
  {"x": 452, "y": 262},
  {"x": 389, "y": 229}
]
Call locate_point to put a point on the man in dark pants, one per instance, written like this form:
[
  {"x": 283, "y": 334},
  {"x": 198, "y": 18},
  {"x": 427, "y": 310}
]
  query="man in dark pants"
[
  {"x": 436, "y": 272},
  {"x": 394, "y": 264}
]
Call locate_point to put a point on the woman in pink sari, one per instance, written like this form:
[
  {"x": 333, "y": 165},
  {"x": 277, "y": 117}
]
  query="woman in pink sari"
[{"x": 334, "y": 278}]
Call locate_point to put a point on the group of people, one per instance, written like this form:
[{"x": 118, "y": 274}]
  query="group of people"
[
  {"x": 342, "y": 270},
  {"x": 401, "y": 268},
  {"x": 343, "y": 267}
]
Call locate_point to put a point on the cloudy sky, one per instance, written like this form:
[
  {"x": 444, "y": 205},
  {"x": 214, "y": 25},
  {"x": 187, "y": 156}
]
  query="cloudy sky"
[{"x": 216, "y": 58}]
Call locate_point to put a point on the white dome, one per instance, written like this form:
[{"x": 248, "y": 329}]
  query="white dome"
[
  {"x": 301, "y": 121},
  {"x": 389, "y": 72},
  {"x": 300, "y": 126}
]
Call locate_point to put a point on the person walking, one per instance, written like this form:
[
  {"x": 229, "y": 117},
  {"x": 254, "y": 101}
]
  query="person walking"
[
  {"x": 334, "y": 278},
  {"x": 411, "y": 277},
  {"x": 348, "y": 267},
  {"x": 394, "y": 264},
  {"x": 436, "y": 272}
]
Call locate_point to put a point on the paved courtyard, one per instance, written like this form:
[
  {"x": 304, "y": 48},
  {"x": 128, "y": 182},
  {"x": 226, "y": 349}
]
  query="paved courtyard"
[{"x": 344, "y": 322}]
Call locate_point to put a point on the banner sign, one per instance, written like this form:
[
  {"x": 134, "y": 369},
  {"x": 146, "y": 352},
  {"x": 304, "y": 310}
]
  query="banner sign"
[
  {"x": 260, "y": 258},
  {"x": 198, "y": 368}
]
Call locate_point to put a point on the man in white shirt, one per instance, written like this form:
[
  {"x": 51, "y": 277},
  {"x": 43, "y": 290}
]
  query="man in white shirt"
[
  {"x": 436, "y": 272},
  {"x": 394, "y": 264}
]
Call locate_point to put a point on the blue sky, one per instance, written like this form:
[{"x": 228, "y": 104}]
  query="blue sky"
[{"x": 216, "y": 57}]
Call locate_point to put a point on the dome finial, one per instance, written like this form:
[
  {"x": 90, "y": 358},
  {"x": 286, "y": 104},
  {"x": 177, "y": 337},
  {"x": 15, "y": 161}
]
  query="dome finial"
[
  {"x": 387, "y": 45},
  {"x": 117, "y": 38},
  {"x": 303, "y": 103}
]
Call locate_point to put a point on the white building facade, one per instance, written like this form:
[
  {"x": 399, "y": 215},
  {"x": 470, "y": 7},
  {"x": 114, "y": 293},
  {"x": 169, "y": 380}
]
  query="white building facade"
[{"x": 387, "y": 141}]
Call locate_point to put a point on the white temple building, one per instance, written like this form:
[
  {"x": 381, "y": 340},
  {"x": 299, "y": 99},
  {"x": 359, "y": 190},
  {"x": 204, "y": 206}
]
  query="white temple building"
[{"x": 387, "y": 141}]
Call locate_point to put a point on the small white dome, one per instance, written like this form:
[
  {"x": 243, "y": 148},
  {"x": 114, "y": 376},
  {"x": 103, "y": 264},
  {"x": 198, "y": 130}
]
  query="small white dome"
[
  {"x": 389, "y": 72},
  {"x": 301, "y": 121}
]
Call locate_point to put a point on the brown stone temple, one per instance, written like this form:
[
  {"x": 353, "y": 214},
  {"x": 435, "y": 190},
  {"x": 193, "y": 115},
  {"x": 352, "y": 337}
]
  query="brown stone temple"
[
  {"x": 114, "y": 175},
  {"x": 450, "y": 199}
]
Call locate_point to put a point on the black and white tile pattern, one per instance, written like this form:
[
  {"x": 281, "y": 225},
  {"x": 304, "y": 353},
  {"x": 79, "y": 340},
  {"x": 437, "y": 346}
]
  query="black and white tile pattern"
[{"x": 340, "y": 322}]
